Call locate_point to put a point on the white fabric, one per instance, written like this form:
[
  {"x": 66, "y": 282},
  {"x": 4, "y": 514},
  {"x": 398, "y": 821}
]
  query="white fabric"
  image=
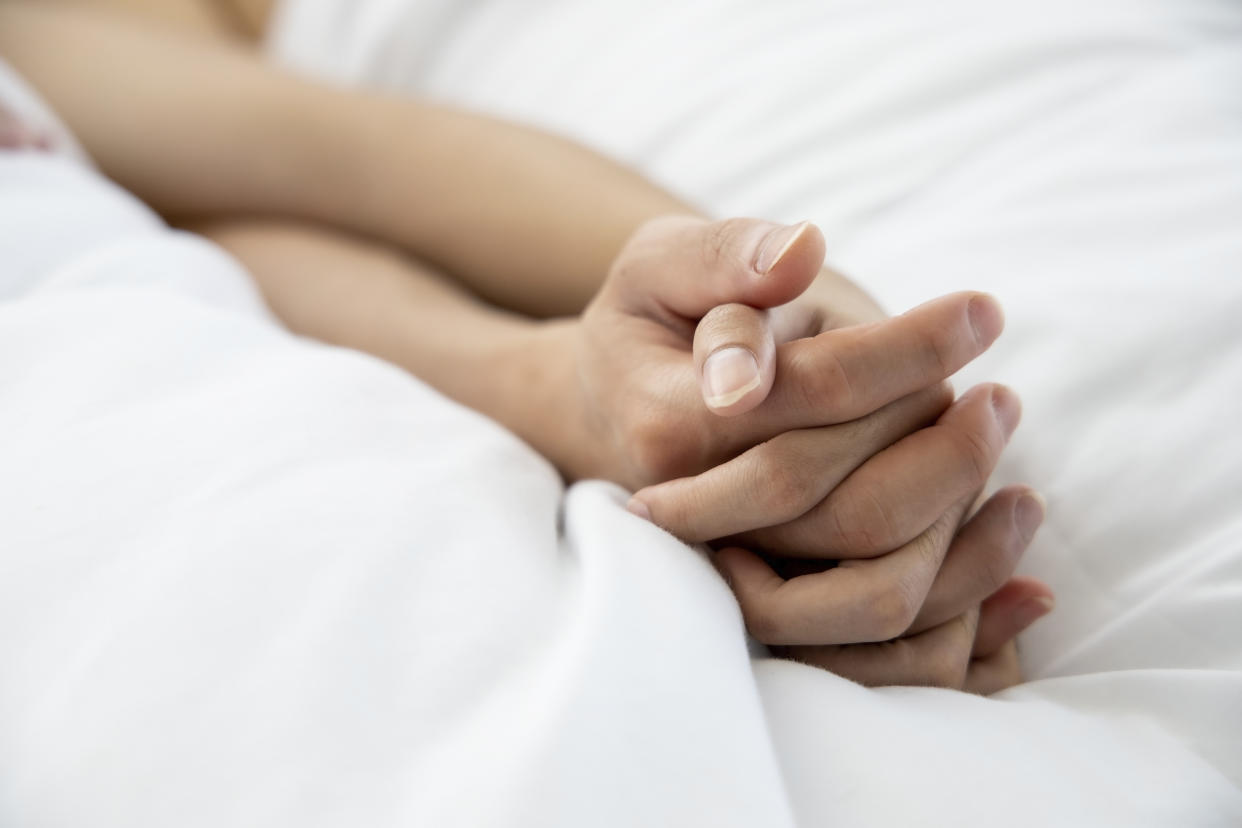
[{"x": 252, "y": 580}]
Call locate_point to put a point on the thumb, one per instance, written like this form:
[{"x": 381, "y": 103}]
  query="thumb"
[
  {"x": 734, "y": 345},
  {"x": 735, "y": 358},
  {"x": 688, "y": 266}
]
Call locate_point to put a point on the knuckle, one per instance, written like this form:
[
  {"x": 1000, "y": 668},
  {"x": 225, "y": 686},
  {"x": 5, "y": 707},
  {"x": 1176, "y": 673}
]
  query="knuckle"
[
  {"x": 1008, "y": 671},
  {"x": 994, "y": 572},
  {"x": 942, "y": 351},
  {"x": 720, "y": 241},
  {"x": 936, "y": 399},
  {"x": 884, "y": 427},
  {"x": 894, "y": 607},
  {"x": 947, "y": 671},
  {"x": 864, "y": 522},
  {"x": 660, "y": 451},
  {"x": 823, "y": 382},
  {"x": 728, "y": 324},
  {"x": 999, "y": 560},
  {"x": 764, "y": 624},
  {"x": 947, "y": 666},
  {"x": 935, "y": 540},
  {"x": 783, "y": 480},
  {"x": 837, "y": 376},
  {"x": 865, "y": 436},
  {"x": 873, "y": 432},
  {"x": 975, "y": 453},
  {"x": 1005, "y": 678}
]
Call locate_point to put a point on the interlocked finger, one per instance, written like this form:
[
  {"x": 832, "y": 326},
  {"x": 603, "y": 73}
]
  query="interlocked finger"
[
  {"x": 857, "y": 601},
  {"x": 983, "y": 555},
  {"x": 847, "y": 373},
  {"x": 939, "y": 657},
  {"x": 995, "y": 672},
  {"x": 902, "y": 490},
  {"x": 781, "y": 479}
]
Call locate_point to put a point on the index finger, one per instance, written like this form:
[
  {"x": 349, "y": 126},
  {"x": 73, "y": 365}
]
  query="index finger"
[{"x": 844, "y": 374}]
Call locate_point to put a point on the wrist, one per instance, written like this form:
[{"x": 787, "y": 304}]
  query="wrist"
[{"x": 532, "y": 388}]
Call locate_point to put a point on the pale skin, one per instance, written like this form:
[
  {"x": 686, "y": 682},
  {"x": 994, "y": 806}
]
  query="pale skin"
[{"x": 829, "y": 451}]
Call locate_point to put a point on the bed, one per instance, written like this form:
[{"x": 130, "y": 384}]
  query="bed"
[{"x": 253, "y": 580}]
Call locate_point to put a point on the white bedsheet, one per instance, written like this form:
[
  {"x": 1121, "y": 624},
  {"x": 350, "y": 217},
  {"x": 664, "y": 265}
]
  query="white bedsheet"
[{"x": 250, "y": 580}]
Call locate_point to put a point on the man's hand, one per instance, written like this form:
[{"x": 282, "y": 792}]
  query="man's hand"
[{"x": 638, "y": 396}]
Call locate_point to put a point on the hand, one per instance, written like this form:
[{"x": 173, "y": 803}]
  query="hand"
[
  {"x": 634, "y": 399},
  {"x": 355, "y": 293},
  {"x": 975, "y": 652},
  {"x": 891, "y": 521},
  {"x": 791, "y": 481}
]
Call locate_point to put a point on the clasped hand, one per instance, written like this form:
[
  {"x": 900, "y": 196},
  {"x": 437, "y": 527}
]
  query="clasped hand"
[{"x": 765, "y": 405}]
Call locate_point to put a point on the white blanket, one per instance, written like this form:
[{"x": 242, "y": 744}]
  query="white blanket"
[{"x": 249, "y": 580}]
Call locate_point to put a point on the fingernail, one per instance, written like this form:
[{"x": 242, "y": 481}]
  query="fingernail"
[
  {"x": 729, "y": 374},
  {"x": 1029, "y": 514},
  {"x": 637, "y": 507},
  {"x": 1031, "y": 610},
  {"x": 776, "y": 244},
  {"x": 1007, "y": 408},
  {"x": 986, "y": 319}
]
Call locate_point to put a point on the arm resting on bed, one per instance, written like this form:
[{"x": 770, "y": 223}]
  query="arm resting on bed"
[{"x": 200, "y": 129}]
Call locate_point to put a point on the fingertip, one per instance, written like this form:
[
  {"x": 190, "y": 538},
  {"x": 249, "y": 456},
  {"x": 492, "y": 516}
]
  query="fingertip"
[
  {"x": 755, "y": 585},
  {"x": 636, "y": 506},
  {"x": 1008, "y": 408},
  {"x": 1004, "y": 402},
  {"x": 1031, "y": 610},
  {"x": 1029, "y": 513},
  {"x": 987, "y": 318},
  {"x": 1012, "y": 609},
  {"x": 1024, "y": 587},
  {"x": 787, "y": 261},
  {"x": 777, "y": 244},
  {"x": 741, "y": 566}
]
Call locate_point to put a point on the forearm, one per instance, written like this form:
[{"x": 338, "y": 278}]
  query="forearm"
[
  {"x": 197, "y": 129},
  {"x": 348, "y": 291}
]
